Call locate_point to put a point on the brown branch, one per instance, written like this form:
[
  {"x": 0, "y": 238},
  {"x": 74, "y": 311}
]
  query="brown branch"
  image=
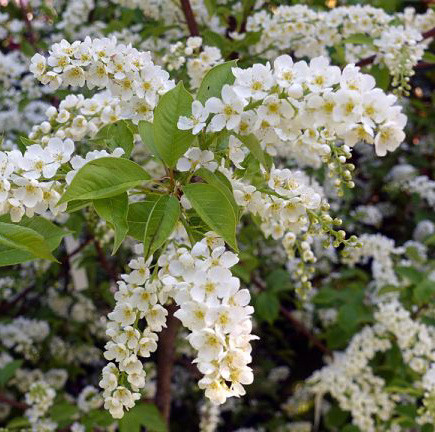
[
  {"x": 300, "y": 328},
  {"x": 297, "y": 325},
  {"x": 165, "y": 363},
  {"x": 190, "y": 18},
  {"x": 13, "y": 403},
  {"x": 104, "y": 263},
  {"x": 369, "y": 60},
  {"x": 31, "y": 34},
  {"x": 5, "y": 305}
]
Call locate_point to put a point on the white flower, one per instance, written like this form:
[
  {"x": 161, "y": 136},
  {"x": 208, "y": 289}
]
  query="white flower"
[
  {"x": 74, "y": 76},
  {"x": 227, "y": 111},
  {"x": 60, "y": 150},
  {"x": 156, "y": 317},
  {"x": 209, "y": 343},
  {"x": 254, "y": 82},
  {"x": 29, "y": 192},
  {"x": 196, "y": 158},
  {"x": 196, "y": 121},
  {"x": 322, "y": 75},
  {"x": 38, "y": 161},
  {"x": 37, "y": 65},
  {"x": 124, "y": 314},
  {"x": 389, "y": 137}
]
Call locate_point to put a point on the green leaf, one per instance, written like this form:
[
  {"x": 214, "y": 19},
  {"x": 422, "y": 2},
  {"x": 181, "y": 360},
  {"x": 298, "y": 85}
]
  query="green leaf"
[
  {"x": 409, "y": 273},
  {"x": 63, "y": 413},
  {"x": 214, "y": 208},
  {"x": 267, "y": 306},
  {"x": 359, "y": 39},
  {"x": 252, "y": 143},
  {"x": 382, "y": 76},
  {"x": 215, "y": 79},
  {"x": 104, "y": 178},
  {"x": 52, "y": 233},
  {"x": 18, "y": 423},
  {"x": 424, "y": 291},
  {"x": 114, "y": 210},
  {"x": 170, "y": 142},
  {"x": 278, "y": 280},
  {"x": 138, "y": 215},
  {"x": 160, "y": 223},
  {"x": 429, "y": 57},
  {"x": 95, "y": 418},
  {"x": 74, "y": 206},
  {"x": 8, "y": 371},
  {"x": 350, "y": 315},
  {"x": 19, "y": 244},
  {"x": 350, "y": 428},
  {"x": 24, "y": 142},
  {"x": 146, "y": 415},
  {"x": 336, "y": 417},
  {"x": 146, "y": 132},
  {"x": 218, "y": 180},
  {"x": 117, "y": 134},
  {"x": 389, "y": 289}
]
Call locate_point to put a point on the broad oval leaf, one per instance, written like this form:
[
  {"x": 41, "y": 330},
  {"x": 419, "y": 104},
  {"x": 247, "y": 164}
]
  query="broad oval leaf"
[
  {"x": 19, "y": 244},
  {"x": 267, "y": 306},
  {"x": 253, "y": 145},
  {"x": 215, "y": 79},
  {"x": 8, "y": 371},
  {"x": 359, "y": 39},
  {"x": 143, "y": 414},
  {"x": 161, "y": 222},
  {"x": 146, "y": 132},
  {"x": 104, "y": 178},
  {"x": 115, "y": 135},
  {"x": 214, "y": 209},
  {"x": 222, "y": 183},
  {"x": 114, "y": 210},
  {"x": 169, "y": 141},
  {"x": 137, "y": 216}
]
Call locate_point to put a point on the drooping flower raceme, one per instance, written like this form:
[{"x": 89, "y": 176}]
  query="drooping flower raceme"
[{"x": 210, "y": 304}]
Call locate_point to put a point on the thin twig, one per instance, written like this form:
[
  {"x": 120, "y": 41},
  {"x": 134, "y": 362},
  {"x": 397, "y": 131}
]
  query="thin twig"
[
  {"x": 13, "y": 403},
  {"x": 104, "y": 263}
]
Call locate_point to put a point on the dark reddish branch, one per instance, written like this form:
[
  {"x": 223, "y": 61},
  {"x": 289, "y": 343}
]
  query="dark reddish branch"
[
  {"x": 297, "y": 325},
  {"x": 31, "y": 34},
  {"x": 165, "y": 362},
  {"x": 7, "y": 306},
  {"x": 104, "y": 262},
  {"x": 300, "y": 328},
  {"x": 190, "y": 18},
  {"x": 369, "y": 60},
  {"x": 430, "y": 33},
  {"x": 13, "y": 403}
]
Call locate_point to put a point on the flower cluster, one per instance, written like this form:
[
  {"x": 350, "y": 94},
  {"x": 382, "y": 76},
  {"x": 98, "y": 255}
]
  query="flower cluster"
[
  {"x": 128, "y": 73},
  {"x": 198, "y": 58},
  {"x": 217, "y": 312},
  {"x": 77, "y": 117},
  {"x": 401, "y": 49},
  {"x": 300, "y": 109},
  {"x": 24, "y": 335},
  {"x": 40, "y": 398},
  {"x": 394, "y": 39},
  {"x": 350, "y": 378},
  {"x": 136, "y": 299},
  {"x": 211, "y": 305},
  {"x": 29, "y": 182}
]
